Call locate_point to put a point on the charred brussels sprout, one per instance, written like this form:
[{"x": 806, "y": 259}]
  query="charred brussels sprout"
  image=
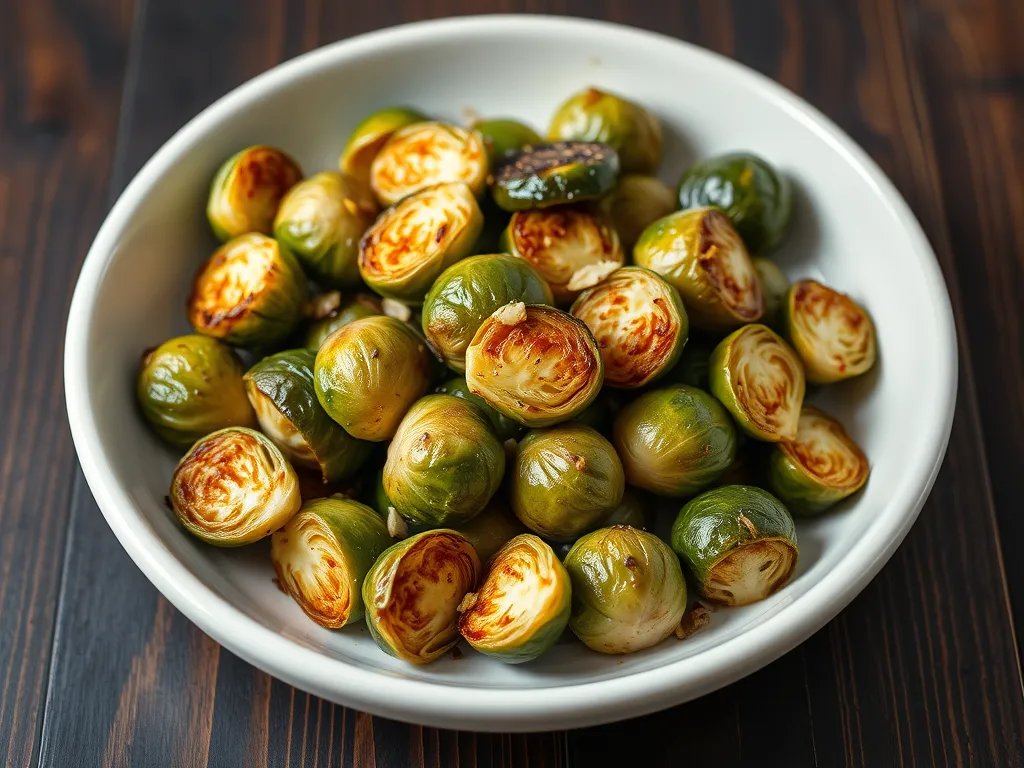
[
  {"x": 370, "y": 135},
  {"x": 674, "y": 441},
  {"x": 323, "y": 554},
  {"x": 631, "y": 130},
  {"x": 701, "y": 254},
  {"x": 502, "y": 136},
  {"x": 281, "y": 390},
  {"x": 321, "y": 221},
  {"x": 755, "y": 197},
  {"x": 756, "y": 375},
  {"x": 639, "y": 323},
  {"x": 504, "y": 427},
  {"x": 413, "y": 591},
  {"x": 234, "y": 487},
  {"x": 833, "y": 335},
  {"x": 820, "y": 467},
  {"x": 444, "y": 463},
  {"x": 492, "y": 529},
  {"x": 535, "y": 364},
  {"x": 637, "y": 202},
  {"x": 628, "y": 591},
  {"x": 567, "y": 480},
  {"x": 369, "y": 373},
  {"x": 349, "y": 310},
  {"x": 692, "y": 368},
  {"x": 247, "y": 190},
  {"x": 191, "y": 386},
  {"x": 416, "y": 240},
  {"x": 635, "y": 510},
  {"x": 251, "y": 293},
  {"x": 424, "y": 155},
  {"x": 469, "y": 292},
  {"x": 563, "y": 243},
  {"x": 554, "y": 174},
  {"x": 522, "y": 605},
  {"x": 774, "y": 287},
  {"x": 738, "y": 542}
]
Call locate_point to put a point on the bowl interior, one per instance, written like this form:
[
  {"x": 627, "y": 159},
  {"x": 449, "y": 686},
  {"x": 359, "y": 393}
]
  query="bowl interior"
[{"x": 847, "y": 233}]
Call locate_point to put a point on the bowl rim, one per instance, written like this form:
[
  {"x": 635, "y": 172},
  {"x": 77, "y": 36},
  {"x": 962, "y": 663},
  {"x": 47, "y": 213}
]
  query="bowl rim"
[{"x": 564, "y": 705}]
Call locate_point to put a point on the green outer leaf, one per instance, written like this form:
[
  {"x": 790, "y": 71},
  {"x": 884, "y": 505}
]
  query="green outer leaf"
[
  {"x": 637, "y": 202},
  {"x": 774, "y": 287},
  {"x": 355, "y": 308},
  {"x": 502, "y": 136},
  {"x": 553, "y": 174},
  {"x": 492, "y": 529},
  {"x": 504, "y": 427},
  {"x": 692, "y": 368},
  {"x": 635, "y": 510},
  {"x": 599, "y": 414}
]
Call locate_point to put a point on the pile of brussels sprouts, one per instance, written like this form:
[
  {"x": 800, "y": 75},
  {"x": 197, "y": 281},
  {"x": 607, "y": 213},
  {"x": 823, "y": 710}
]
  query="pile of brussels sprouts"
[{"x": 469, "y": 376}]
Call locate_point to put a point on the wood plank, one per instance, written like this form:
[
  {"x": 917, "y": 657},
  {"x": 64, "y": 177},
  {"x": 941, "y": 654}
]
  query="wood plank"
[{"x": 61, "y": 68}]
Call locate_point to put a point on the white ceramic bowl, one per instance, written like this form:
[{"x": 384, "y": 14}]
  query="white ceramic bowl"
[{"x": 853, "y": 230}]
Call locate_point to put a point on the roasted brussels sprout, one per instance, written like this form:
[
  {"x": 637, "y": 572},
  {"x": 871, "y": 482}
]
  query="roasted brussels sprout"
[
  {"x": 833, "y": 335},
  {"x": 674, "y": 441},
  {"x": 424, "y": 155},
  {"x": 370, "y": 135},
  {"x": 415, "y": 241},
  {"x": 191, "y": 386},
  {"x": 281, "y": 390},
  {"x": 247, "y": 190},
  {"x": 756, "y": 375},
  {"x": 756, "y": 198},
  {"x": 469, "y": 292},
  {"x": 635, "y": 510},
  {"x": 774, "y": 287},
  {"x": 356, "y": 307},
  {"x": 492, "y": 529},
  {"x": 560, "y": 242},
  {"x": 321, "y": 220},
  {"x": 700, "y": 253},
  {"x": 637, "y": 202},
  {"x": 522, "y": 605},
  {"x": 234, "y": 487},
  {"x": 738, "y": 543},
  {"x": 504, "y": 427},
  {"x": 628, "y": 128},
  {"x": 820, "y": 467},
  {"x": 628, "y": 591},
  {"x": 251, "y": 293},
  {"x": 502, "y": 136},
  {"x": 553, "y": 174},
  {"x": 444, "y": 463},
  {"x": 413, "y": 591},
  {"x": 692, "y": 368},
  {"x": 639, "y": 323},
  {"x": 323, "y": 554},
  {"x": 368, "y": 373},
  {"x": 535, "y": 364},
  {"x": 567, "y": 480}
]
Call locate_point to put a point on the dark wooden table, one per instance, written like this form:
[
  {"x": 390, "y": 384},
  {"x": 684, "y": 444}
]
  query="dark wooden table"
[{"x": 922, "y": 669}]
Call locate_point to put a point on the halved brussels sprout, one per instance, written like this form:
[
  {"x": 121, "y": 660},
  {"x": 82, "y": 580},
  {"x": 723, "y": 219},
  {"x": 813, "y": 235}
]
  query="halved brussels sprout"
[
  {"x": 469, "y": 292},
  {"x": 321, "y": 220},
  {"x": 356, "y": 307},
  {"x": 639, "y": 323},
  {"x": 700, "y": 253},
  {"x": 738, "y": 543},
  {"x": 522, "y": 605},
  {"x": 755, "y": 197},
  {"x": 504, "y": 427},
  {"x": 674, "y": 441},
  {"x": 628, "y": 128},
  {"x": 370, "y": 135},
  {"x": 251, "y": 293},
  {"x": 502, "y": 136},
  {"x": 323, "y": 554},
  {"x": 492, "y": 529},
  {"x": 833, "y": 335},
  {"x": 368, "y": 374},
  {"x": 536, "y": 364},
  {"x": 635, "y": 510},
  {"x": 191, "y": 386},
  {"x": 281, "y": 390},
  {"x": 628, "y": 591},
  {"x": 758, "y": 377},
  {"x": 692, "y": 368},
  {"x": 234, "y": 487},
  {"x": 415, "y": 241},
  {"x": 637, "y": 202},
  {"x": 424, "y": 155},
  {"x": 247, "y": 190},
  {"x": 444, "y": 463},
  {"x": 820, "y": 467},
  {"x": 567, "y": 480},
  {"x": 774, "y": 287},
  {"x": 413, "y": 591},
  {"x": 560, "y": 242},
  {"x": 553, "y": 174}
]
